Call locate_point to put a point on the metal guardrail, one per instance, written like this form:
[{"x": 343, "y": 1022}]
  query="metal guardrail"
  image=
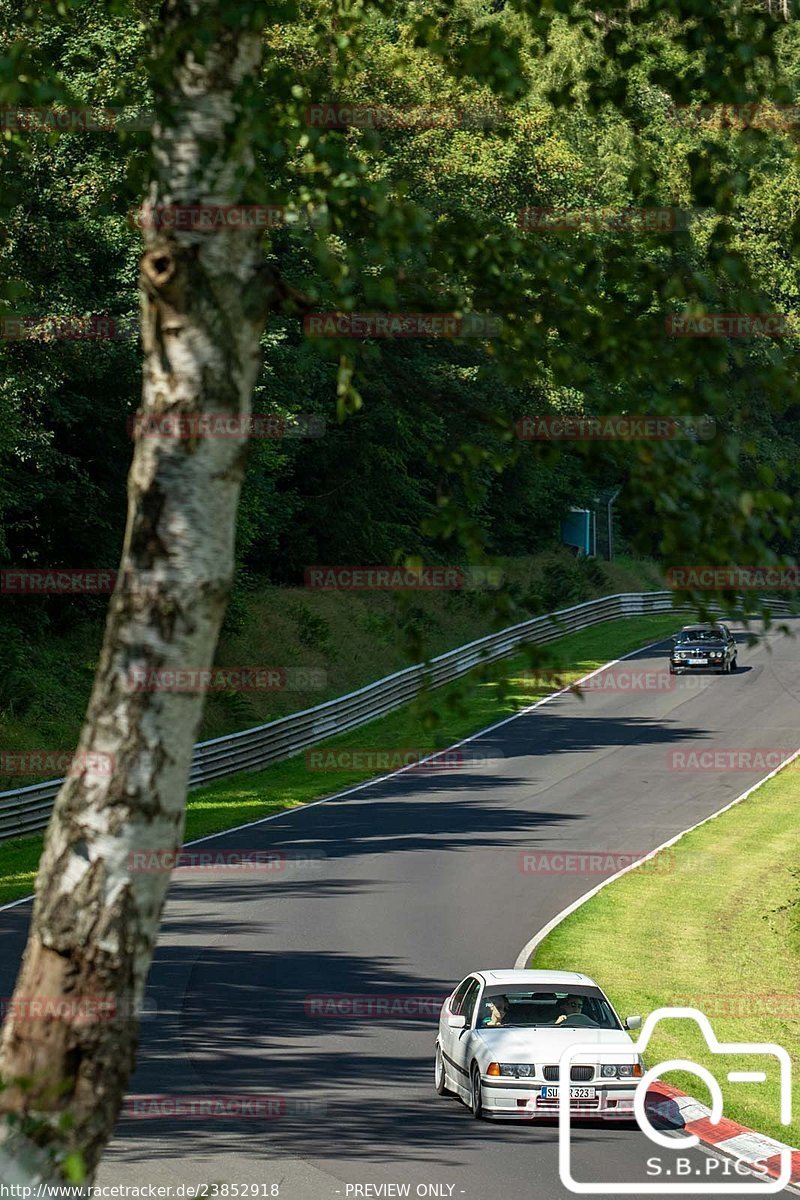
[{"x": 26, "y": 810}]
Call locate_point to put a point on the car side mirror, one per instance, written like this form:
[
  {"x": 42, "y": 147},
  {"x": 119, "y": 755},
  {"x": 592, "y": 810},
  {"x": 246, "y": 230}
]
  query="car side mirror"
[
  {"x": 633, "y": 1022},
  {"x": 458, "y": 1022}
]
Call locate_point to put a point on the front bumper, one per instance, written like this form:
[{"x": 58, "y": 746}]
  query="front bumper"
[{"x": 515, "y": 1100}]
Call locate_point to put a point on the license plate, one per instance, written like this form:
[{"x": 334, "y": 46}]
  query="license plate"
[
  {"x": 575, "y": 1093},
  {"x": 698, "y": 662}
]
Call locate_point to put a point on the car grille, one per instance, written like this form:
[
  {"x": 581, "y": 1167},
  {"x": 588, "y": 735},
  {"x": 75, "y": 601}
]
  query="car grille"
[{"x": 577, "y": 1074}]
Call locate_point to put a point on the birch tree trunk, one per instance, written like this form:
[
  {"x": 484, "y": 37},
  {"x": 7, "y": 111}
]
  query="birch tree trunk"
[{"x": 205, "y": 298}]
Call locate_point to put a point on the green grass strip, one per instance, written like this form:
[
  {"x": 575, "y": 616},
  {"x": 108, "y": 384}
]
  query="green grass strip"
[
  {"x": 462, "y": 708},
  {"x": 715, "y": 926}
]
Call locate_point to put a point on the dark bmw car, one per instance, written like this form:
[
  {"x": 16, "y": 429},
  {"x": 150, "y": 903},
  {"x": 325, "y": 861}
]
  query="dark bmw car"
[{"x": 703, "y": 648}]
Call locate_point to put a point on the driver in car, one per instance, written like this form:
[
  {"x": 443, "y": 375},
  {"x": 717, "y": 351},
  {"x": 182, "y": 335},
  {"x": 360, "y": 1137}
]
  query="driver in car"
[{"x": 570, "y": 1006}]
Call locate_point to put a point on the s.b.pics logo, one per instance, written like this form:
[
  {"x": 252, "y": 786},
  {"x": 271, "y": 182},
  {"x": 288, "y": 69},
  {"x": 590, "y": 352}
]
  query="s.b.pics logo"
[{"x": 687, "y": 1176}]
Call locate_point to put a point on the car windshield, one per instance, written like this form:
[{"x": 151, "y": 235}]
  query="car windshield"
[
  {"x": 701, "y": 635},
  {"x": 582, "y": 1008}
]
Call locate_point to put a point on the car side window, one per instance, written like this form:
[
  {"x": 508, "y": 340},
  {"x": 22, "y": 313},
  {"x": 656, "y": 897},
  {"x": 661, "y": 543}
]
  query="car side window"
[
  {"x": 458, "y": 996},
  {"x": 469, "y": 1001}
]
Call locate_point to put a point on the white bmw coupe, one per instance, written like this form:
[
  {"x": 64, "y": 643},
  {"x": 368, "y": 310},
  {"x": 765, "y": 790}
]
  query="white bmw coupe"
[{"x": 502, "y": 1033}]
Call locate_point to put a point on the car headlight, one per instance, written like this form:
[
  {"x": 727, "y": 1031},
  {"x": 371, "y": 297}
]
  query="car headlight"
[
  {"x": 517, "y": 1070},
  {"x": 621, "y": 1071}
]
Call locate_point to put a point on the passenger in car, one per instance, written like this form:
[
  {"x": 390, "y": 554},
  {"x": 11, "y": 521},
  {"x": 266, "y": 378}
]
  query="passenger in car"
[{"x": 494, "y": 1012}]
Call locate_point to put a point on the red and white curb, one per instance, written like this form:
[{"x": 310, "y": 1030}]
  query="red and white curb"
[{"x": 726, "y": 1137}]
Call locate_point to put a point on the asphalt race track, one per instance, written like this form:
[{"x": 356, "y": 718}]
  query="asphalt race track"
[{"x": 419, "y": 883}]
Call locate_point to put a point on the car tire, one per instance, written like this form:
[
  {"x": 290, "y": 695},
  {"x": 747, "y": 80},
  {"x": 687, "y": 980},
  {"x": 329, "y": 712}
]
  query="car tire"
[
  {"x": 734, "y": 663},
  {"x": 475, "y": 1098},
  {"x": 439, "y": 1078}
]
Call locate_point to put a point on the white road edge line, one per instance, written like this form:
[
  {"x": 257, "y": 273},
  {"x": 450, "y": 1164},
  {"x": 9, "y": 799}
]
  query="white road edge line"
[
  {"x": 286, "y": 812},
  {"x": 529, "y": 947}
]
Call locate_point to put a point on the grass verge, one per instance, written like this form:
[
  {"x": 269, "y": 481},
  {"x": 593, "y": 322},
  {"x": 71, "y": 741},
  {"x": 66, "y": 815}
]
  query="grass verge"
[
  {"x": 461, "y": 710},
  {"x": 715, "y": 927}
]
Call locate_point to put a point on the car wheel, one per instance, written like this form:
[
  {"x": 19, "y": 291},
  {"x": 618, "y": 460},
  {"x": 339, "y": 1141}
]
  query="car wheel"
[
  {"x": 734, "y": 663},
  {"x": 475, "y": 1097},
  {"x": 672, "y": 671},
  {"x": 439, "y": 1081}
]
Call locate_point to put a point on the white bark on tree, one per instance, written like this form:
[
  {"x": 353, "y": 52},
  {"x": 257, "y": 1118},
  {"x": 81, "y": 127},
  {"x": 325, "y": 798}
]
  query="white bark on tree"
[{"x": 205, "y": 299}]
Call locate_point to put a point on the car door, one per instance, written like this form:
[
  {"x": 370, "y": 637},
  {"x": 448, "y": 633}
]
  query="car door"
[{"x": 461, "y": 1053}]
